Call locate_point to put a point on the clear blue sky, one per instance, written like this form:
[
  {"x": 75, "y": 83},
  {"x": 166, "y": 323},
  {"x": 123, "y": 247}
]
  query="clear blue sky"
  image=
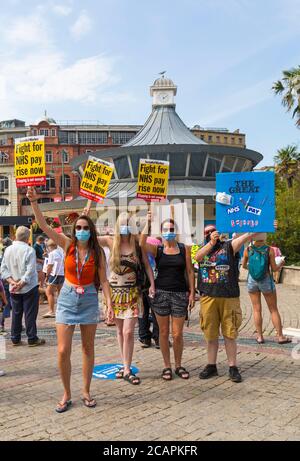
[{"x": 96, "y": 59}]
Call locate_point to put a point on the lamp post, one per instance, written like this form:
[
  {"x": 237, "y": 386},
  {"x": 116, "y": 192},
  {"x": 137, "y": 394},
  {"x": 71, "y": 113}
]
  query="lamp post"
[{"x": 63, "y": 153}]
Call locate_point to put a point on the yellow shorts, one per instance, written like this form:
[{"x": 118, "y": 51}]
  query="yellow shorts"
[{"x": 216, "y": 312}]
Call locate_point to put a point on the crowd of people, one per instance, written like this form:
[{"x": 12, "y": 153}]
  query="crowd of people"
[{"x": 140, "y": 276}]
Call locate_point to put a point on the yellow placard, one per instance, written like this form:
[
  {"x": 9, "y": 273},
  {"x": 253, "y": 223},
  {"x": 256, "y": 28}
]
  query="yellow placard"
[
  {"x": 30, "y": 167},
  {"x": 96, "y": 179},
  {"x": 153, "y": 180}
]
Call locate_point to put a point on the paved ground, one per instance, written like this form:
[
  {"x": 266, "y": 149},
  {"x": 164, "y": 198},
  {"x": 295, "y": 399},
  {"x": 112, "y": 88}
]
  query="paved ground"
[{"x": 266, "y": 406}]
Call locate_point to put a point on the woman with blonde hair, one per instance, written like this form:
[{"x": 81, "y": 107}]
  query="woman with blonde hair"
[{"x": 126, "y": 262}]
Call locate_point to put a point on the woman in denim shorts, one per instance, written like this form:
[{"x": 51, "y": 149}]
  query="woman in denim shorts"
[
  {"x": 77, "y": 303},
  {"x": 174, "y": 295},
  {"x": 266, "y": 286}
]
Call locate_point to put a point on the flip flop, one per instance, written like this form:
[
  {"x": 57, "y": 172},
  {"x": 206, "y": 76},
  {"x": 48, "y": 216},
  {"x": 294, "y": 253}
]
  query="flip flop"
[
  {"x": 62, "y": 407},
  {"x": 88, "y": 402},
  {"x": 48, "y": 316}
]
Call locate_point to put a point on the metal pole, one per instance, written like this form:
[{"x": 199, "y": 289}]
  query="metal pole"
[{"x": 63, "y": 176}]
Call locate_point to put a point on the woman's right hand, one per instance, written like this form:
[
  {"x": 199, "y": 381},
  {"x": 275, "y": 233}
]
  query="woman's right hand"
[{"x": 31, "y": 194}]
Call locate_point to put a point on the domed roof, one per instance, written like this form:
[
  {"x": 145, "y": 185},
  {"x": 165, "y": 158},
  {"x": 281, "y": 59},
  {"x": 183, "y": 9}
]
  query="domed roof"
[
  {"x": 47, "y": 119},
  {"x": 163, "y": 82}
]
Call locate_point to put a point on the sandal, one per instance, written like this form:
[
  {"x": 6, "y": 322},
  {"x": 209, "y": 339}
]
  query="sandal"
[
  {"x": 181, "y": 371},
  {"x": 260, "y": 341},
  {"x": 120, "y": 373},
  {"x": 48, "y": 315},
  {"x": 167, "y": 374},
  {"x": 89, "y": 403},
  {"x": 132, "y": 378},
  {"x": 62, "y": 407},
  {"x": 285, "y": 341}
]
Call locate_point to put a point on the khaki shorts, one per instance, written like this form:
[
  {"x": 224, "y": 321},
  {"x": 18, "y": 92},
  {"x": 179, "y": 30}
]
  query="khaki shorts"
[{"x": 216, "y": 312}]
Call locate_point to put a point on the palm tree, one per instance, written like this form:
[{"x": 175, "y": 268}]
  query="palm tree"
[
  {"x": 287, "y": 163},
  {"x": 289, "y": 86}
]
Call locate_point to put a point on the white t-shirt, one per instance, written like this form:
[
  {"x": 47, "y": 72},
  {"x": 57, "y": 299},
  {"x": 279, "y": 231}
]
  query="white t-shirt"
[{"x": 57, "y": 258}]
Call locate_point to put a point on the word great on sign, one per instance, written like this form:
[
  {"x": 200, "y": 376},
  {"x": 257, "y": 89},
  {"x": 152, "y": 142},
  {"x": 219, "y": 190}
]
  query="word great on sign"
[
  {"x": 153, "y": 180},
  {"x": 96, "y": 179},
  {"x": 30, "y": 168}
]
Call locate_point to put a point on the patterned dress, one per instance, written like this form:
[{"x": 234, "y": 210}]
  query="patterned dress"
[{"x": 125, "y": 295}]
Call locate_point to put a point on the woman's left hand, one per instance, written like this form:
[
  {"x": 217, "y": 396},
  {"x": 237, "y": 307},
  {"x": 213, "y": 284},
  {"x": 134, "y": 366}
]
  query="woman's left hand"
[
  {"x": 110, "y": 314},
  {"x": 152, "y": 291}
]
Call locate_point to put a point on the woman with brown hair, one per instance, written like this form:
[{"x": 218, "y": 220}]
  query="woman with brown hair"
[
  {"x": 77, "y": 303},
  {"x": 125, "y": 262}
]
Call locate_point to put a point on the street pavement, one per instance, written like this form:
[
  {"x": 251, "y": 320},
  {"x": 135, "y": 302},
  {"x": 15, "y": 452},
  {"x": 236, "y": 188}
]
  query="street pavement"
[{"x": 265, "y": 406}]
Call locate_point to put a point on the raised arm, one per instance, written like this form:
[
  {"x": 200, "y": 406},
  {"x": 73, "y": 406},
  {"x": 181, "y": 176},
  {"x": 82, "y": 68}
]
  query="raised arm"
[
  {"x": 200, "y": 255},
  {"x": 240, "y": 241},
  {"x": 147, "y": 247},
  {"x": 60, "y": 239}
]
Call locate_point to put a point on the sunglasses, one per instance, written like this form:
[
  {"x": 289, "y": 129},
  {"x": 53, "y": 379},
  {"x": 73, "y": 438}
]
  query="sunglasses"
[{"x": 82, "y": 227}]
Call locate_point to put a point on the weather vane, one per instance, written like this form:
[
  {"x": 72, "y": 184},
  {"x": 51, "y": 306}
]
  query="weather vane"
[{"x": 162, "y": 73}]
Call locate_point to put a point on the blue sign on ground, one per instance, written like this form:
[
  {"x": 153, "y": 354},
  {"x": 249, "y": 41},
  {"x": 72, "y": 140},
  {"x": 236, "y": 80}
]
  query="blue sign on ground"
[
  {"x": 245, "y": 202},
  {"x": 109, "y": 370}
]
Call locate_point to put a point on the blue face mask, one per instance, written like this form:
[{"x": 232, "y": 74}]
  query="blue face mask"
[
  {"x": 83, "y": 235},
  {"x": 125, "y": 230},
  {"x": 169, "y": 236}
]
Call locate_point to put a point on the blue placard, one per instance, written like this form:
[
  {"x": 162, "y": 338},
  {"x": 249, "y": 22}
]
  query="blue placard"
[
  {"x": 109, "y": 370},
  {"x": 245, "y": 202}
]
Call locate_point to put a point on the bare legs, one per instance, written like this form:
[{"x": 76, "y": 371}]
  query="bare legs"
[
  {"x": 177, "y": 334},
  {"x": 231, "y": 351},
  {"x": 271, "y": 300},
  {"x": 125, "y": 333},
  {"x": 64, "y": 340},
  {"x": 64, "y": 343},
  {"x": 88, "y": 333}
]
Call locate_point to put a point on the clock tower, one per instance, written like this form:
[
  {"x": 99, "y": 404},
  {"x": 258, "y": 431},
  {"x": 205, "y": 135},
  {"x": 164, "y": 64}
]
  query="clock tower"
[{"x": 163, "y": 91}]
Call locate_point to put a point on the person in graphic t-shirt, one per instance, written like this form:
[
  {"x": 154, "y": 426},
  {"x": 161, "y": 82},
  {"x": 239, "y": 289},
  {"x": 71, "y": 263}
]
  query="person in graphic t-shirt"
[{"x": 220, "y": 300}]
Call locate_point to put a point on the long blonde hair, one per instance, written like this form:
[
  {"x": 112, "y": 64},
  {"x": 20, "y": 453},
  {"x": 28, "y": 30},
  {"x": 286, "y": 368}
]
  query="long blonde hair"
[{"x": 123, "y": 219}]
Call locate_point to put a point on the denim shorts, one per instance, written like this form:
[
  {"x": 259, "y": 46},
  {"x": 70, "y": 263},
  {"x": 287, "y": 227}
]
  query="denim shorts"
[
  {"x": 266, "y": 285},
  {"x": 56, "y": 280},
  {"x": 174, "y": 303},
  {"x": 77, "y": 309}
]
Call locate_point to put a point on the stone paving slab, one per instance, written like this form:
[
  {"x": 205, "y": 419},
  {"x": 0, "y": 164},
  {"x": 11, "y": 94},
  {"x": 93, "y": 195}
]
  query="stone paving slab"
[{"x": 265, "y": 406}]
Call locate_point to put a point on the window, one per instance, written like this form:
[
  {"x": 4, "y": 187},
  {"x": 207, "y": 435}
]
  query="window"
[
  {"x": 25, "y": 201},
  {"x": 121, "y": 137},
  {"x": 4, "y": 157},
  {"x": 44, "y": 132},
  {"x": 53, "y": 132},
  {"x": 67, "y": 137},
  {"x": 3, "y": 184},
  {"x": 49, "y": 157},
  {"x": 225, "y": 139},
  {"x": 241, "y": 140},
  {"x": 4, "y": 202},
  {"x": 34, "y": 132},
  {"x": 45, "y": 200},
  {"x": 218, "y": 138},
  {"x": 92, "y": 137},
  {"x": 232, "y": 140},
  {"x": 202, "y": 137},
  {"x": 67, "y": 182},
  {"x": 65, "y": 157},
  {"x": 50, "y": 184},
  {"x": 210, "y": 138},
  {"x": 122, "y": 167}
]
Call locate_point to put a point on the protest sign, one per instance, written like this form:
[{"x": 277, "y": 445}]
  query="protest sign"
[
  {"x": 30, "y": 168},
  {"x": 153, "y": 179},
  {"x": 96, "y": 179},
  {"x": 245, "y": 202}
]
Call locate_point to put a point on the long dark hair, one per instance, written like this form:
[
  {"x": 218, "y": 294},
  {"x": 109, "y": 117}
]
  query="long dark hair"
[{"x": 93, "y": 245}]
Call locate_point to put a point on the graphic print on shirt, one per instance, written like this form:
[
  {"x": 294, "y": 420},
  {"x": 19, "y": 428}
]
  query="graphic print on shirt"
[{"x": 215, "y": 268}]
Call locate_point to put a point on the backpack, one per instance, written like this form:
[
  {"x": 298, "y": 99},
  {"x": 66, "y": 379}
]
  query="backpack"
[
  {"x": 142, "y": 280},
  {"x": 258, "y": 262}
]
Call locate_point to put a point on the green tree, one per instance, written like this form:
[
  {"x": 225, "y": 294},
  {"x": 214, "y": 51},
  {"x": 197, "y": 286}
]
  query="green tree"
[
  {"x": 287, "y": 164},
  {"x": 289, "y": 88}
]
